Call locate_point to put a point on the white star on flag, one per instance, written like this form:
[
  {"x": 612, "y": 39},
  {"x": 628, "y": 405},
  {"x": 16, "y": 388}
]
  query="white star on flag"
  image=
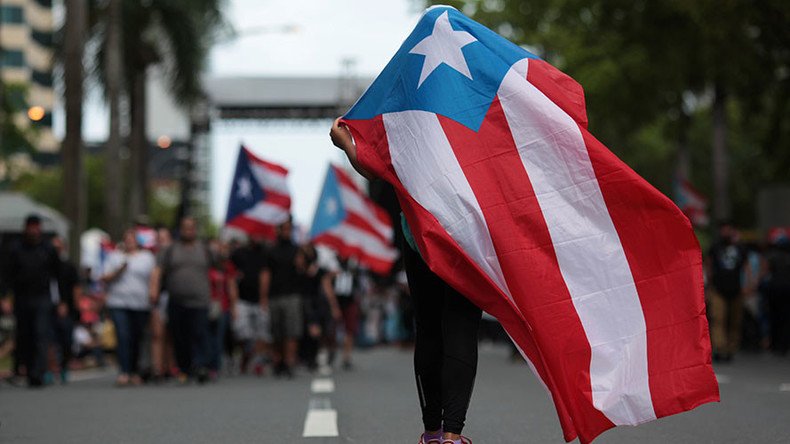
[
  {"x": 244, "y": 190},
  {"x": 443, "y": 46}
]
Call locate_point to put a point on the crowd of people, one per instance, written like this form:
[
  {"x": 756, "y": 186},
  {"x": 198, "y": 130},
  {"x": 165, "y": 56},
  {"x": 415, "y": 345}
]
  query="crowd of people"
[
  {"x": 748, "y": 294},
  {"x": 181, "y": 308}
]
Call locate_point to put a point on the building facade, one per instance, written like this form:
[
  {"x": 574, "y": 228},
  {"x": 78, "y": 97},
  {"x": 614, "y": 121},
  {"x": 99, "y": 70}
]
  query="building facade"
[{"x": 26, "y": 60}]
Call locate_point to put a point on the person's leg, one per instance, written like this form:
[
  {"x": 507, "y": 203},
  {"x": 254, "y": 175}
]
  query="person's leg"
[
  {"x": 42, "y": 331},
  {"x": 121, "y": 322},
  {"x": 460, "y": 324},
  {"x": 735, "y": 324},
  {"x": 157, "y": 343},
  {"x": 351, "y": 327},
  {"x": 425, "y": 288},
  {"x": 138, "y": 320},
  {"x": 294, "y": 326},
  {"x": 178, "y": 325},
  {"x": 65, "y": 343},
  {"x": 198, "y": 319},
  {"x": 718, "y": 328}
]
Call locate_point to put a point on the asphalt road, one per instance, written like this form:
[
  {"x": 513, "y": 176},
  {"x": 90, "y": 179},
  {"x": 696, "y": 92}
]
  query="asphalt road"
[{"x": 375, "y": 403}]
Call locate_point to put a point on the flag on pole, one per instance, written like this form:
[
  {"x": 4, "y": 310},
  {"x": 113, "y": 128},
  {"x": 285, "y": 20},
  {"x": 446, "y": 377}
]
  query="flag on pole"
[
  {"x": 347, "y": 221},
  {"x": 259, "y": 196},
  {"x": 595, "y": 275},
  {"x": 691, "y": 202}
]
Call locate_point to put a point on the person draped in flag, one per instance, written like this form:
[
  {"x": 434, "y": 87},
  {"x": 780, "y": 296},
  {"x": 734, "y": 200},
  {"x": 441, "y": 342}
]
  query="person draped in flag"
[
  {"x": 445, "y": 345},
  {"x": 594, "y": 274}
]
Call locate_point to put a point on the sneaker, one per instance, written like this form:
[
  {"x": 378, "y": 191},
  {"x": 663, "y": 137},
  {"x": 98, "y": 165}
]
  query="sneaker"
[
  {"x": 347, "y": 366},
  {"x": 437, "y": 439},
  {"x": 461, "y": 440}
]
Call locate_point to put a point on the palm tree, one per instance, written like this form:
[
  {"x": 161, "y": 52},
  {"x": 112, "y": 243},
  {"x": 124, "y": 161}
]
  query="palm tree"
[
  {"x": 175, "y": 34},
  {"x": 113, "y": 68},
  {"x": 73, "y": 73}
]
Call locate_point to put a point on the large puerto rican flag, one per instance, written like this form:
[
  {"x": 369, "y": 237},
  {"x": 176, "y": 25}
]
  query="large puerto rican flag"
[
  {"x": 595, "y": 274},
  {"x": 259, "y": 196},
  {"x": 347, "y": 221}
]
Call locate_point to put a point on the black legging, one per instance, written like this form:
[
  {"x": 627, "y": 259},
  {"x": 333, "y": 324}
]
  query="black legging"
[{"x": 445, "y": 353}]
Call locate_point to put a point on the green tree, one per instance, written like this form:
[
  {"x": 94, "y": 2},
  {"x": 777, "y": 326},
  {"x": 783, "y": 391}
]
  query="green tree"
[
  {"x": 662, "y": 77},
  {"x": 176, "y": 34}
]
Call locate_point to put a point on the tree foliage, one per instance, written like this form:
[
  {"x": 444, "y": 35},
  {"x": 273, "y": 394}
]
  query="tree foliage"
[{"x": 649, "y": 68}]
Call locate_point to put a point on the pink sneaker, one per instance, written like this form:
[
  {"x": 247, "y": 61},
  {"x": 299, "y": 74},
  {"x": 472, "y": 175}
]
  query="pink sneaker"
[
  {"x": 437, "y": 439},
  {"x": 462, "y": 440}
]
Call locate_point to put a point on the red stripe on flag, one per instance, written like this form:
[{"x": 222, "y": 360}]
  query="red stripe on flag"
[
  {"x": 376, "y": 264},
  {"x": 253, "y": 227},
  {"x": 345, "y": 180},
  {"x": 364, "y": 225},
  {"x": 666, "y": 263},
  {"x": 493, "y": 167},
  {"x": 280, "y": 200},
  {"x": 446, "y": 258},
  {"x": 273, "y": 167},
  {"x": 560, "y": 88}
]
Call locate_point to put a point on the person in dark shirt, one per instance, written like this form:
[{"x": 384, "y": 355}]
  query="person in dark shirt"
[
  {"x": 65, "y": 313},
  {"x": 280, "y": 293},
  {"x": 250, "y": 317},
  {"x": 33, "y": 265},
  {"x": 321, "y": 309},
  {"x": 726, "y": 260}
]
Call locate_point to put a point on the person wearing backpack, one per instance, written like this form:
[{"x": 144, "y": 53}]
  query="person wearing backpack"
[{"x": 183, "y": 271}]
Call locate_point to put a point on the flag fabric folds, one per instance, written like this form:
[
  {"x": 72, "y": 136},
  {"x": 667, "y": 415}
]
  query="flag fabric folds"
[
  {"x": 347, "y": 221},
  {"x": 594, "y": 274},
  {"x": 259, "y": 196}
]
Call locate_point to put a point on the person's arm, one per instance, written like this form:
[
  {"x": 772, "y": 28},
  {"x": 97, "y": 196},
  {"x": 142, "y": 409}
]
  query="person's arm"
[
  {"x": 233, "y": 294},
  {"x": 341, "y": 138},
  {"x": 154, "y": 284},
  {"x": 265, "y": 281},
  {"x": 329, "y": 291},
  {"x": 110, "y": 276}
]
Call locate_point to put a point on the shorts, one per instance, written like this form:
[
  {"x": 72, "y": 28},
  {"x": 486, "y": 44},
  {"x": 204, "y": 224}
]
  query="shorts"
[
  {"x": 350, "y": 310},
  {"x": 252, "y": 322},
  {"x": 287, "y": 316}
]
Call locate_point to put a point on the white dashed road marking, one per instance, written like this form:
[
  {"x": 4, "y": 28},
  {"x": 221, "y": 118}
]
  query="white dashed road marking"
[
  {"x": 321, "y": 420},
  {"x": 723, "y": 379},
  {"x": 784, "y": 387},
  {"x": 323, "y": 385}
]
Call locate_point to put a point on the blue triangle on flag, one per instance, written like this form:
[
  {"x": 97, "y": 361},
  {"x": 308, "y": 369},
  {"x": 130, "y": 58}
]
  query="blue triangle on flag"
[
  {"x": 330, "y": 211},
  {"x": 245, "y": 191}
]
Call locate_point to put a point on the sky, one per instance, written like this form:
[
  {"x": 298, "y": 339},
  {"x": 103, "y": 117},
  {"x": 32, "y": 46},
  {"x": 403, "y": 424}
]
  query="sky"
[
  {"x": 321, "y": 34},
  {"x": 326, "y": 32}
]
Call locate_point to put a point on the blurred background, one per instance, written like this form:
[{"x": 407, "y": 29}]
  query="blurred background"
[{"x": 121, "y": 113}]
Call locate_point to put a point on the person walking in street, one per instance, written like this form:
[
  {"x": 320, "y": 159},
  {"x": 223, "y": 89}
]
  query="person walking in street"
[
  {"x": 445, "y": 349},
  {"x": 726, "y": 260},
  {"x": 161, "y": 342},
  {"x": 33, "y": 266},
  {"x": 280, "y": 293},
  {"x": 250, "y": 316},
  {"x": 66, "y": 315},
  {"x": 223, "y": 291},
  {"x": 127, "y": 275},
  {"x": 183, "y": 271},
  {"x": 346, "y": 285}
]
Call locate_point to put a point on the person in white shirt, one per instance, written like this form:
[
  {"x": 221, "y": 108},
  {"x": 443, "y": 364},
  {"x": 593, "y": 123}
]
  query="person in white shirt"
[{"x": 127, "y": 274}]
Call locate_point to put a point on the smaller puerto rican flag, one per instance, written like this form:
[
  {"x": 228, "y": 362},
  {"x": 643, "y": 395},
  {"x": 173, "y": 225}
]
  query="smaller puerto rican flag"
[
  {"x": 350, "y": 223},
  {"x": 259, "y": 196},
  {"x": 691, "y": 202}
]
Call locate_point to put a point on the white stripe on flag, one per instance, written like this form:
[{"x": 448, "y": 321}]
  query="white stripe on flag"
[
  {"x": 591, "y": 257},
  {"x": 267, "y": 213},
  {"x": 357, "y": 204},
  {"x": 270, "y": 180},
  {"x": 435, "y": 180},
  {"x": 370, "y": 244}
]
